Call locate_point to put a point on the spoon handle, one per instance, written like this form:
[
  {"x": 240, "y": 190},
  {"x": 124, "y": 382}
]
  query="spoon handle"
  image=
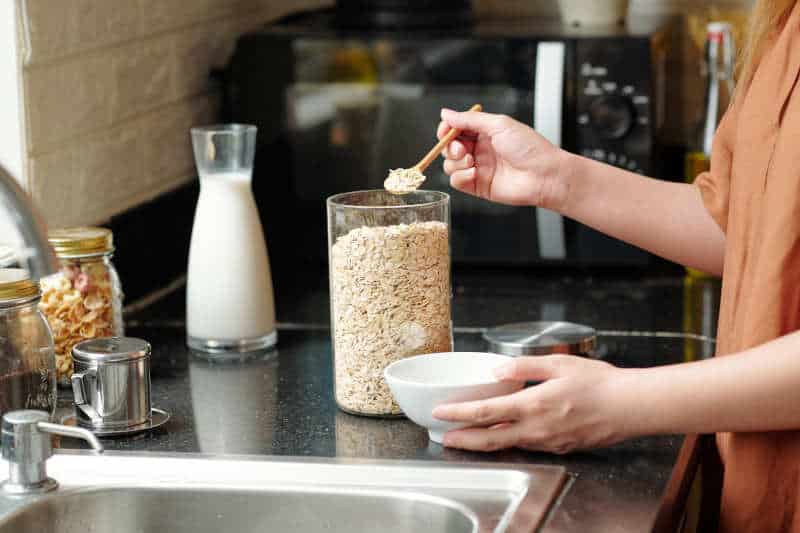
[{"x": 431, "y": 156}]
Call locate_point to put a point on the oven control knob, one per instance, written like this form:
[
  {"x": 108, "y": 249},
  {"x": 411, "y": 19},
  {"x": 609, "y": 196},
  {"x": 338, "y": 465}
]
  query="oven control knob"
[{"x": 612, "y": 116}]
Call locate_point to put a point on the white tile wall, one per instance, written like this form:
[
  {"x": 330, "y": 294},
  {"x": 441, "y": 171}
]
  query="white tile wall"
[
  {"x": 111, "y": 88},
  {"x": 11, "y": 141}
]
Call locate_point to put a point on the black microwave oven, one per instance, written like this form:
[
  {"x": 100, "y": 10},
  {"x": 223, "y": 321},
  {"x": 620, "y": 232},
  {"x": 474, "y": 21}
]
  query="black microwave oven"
[{"x": 337, "y": 107}]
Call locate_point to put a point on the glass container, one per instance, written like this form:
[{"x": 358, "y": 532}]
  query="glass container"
[
  {"x": 27, "y": 364},
  {"x": 389, "y": 265},
  {"x": 83, "y": 300},
  {"x": 229, "y": 302}
]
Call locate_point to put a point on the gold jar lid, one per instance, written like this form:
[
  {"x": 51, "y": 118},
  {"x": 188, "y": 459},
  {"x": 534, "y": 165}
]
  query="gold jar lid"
[
  {"x": 16, "y": 285},
  {"x": 77, "y": 242}
]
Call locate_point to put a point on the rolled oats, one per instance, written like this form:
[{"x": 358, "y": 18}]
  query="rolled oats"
[
  {"x": 390, "y": 290},
  {"x": 403, "y": 180}
]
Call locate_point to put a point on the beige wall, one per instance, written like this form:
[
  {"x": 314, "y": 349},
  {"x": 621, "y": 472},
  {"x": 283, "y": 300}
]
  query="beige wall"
[{"x": 110, "y": 89}]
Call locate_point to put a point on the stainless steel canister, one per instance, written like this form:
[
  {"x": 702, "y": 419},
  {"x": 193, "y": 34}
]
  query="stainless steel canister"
[
  {"x": 111, "y": 382},
  {"x": 542, "y": 338}
]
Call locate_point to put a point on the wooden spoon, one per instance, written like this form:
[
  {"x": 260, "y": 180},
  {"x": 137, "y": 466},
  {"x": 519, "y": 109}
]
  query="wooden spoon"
[{"x": 406, "y": 180}]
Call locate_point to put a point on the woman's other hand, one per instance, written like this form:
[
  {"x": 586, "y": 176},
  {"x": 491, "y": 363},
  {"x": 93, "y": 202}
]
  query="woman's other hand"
[
  {"x": 505, "y": 161},
  {"x": 581, "y": 403}
]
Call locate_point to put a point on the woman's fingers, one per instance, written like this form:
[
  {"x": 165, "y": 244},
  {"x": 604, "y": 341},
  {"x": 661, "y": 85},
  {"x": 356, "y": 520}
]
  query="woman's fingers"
[
  {"x": 482, "y": 413},
  {"x": 459, "y": 147},
  {"x": 472, "y": 123},
  {"x": 453, "y": 165},
  {"x": 483, "y": 439},
  {"x": 540, "y": 368},
  {"x": 444, "y": 127},
  {"x": 464, "y": 180},
  {"x": 454, "y": 150}
]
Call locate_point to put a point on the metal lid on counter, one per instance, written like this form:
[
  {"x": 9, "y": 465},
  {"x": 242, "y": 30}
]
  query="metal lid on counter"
[{"x": 541, "y": 338}]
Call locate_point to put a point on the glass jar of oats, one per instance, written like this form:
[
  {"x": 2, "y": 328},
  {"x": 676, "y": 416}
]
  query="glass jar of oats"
[
  {"x": 84, "y": 299},
  {"x": 389, "y": 263}
]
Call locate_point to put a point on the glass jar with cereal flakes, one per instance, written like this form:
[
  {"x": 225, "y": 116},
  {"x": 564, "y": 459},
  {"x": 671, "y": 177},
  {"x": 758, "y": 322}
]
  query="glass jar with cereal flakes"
[{"x": 84, "y": 299}]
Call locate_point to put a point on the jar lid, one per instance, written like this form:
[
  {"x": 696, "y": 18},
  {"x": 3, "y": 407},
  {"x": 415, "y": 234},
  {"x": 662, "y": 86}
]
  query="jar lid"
[
  {"x": 111, "y": 350},
  {"x": 541, "y": 338},
  {"x": 15, "y": 284},
  {"x": 82, "y": 241}
]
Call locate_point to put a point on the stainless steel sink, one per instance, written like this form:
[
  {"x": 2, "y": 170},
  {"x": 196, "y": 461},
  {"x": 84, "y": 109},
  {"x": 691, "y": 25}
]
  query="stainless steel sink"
[
  {"x": 143, "y": 493},
  {"x": 206, "y": 510}
]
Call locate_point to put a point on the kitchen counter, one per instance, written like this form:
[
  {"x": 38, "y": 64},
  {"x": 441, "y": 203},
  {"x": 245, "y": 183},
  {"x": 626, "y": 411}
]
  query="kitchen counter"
[{"x": 281, "y": 402}]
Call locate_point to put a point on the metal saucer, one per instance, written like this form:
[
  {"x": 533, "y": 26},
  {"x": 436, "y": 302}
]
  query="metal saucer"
[{"x": 158, "y": 418}]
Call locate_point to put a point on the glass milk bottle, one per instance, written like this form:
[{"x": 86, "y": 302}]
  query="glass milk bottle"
[{"x": 229, "y": 301}]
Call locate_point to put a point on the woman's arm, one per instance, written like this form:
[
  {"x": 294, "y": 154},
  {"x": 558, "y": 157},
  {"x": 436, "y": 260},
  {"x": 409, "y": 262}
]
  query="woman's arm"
[
  {"x": 754, "y": 390},
  {"x": 585, "y": 403},
  {"x": 505, "y": 161},
  {"x": 665, "y": 218}
]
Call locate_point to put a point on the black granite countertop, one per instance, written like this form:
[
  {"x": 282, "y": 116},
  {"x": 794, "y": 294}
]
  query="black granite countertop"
[{"x": 281, "y": 402}]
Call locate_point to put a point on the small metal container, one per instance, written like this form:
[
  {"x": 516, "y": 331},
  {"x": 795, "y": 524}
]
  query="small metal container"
[
  {"x": 542, "y": 338},
  {"x": 111, "y": 383}
]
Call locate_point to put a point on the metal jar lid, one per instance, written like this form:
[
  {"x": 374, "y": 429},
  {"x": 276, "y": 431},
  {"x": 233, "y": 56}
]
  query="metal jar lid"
[
  {"x": 541, "y": 338},
  {"x": 81, "y": 242},
  {"x": 111, "y": 350},
  {"x": 16, "y": 286}
]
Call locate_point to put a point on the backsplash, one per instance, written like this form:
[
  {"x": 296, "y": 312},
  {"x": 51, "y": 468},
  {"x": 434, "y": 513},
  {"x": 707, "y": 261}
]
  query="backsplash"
[{"x": 111, "y": 88}]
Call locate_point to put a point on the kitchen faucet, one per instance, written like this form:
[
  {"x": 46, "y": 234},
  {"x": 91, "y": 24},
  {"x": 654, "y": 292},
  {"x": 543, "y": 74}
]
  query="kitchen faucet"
[
  {"x": 26, "y": 435},
  {"x": 37, "y": 255},
  {"x": 26, "y": 445}
]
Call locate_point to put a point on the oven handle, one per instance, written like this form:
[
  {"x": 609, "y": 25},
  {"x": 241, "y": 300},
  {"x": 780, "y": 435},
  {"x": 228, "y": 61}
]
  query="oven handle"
[{"x": 547, "y": 120}]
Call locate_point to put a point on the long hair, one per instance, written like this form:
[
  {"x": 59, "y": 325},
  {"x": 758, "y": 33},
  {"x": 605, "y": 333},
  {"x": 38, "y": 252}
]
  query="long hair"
[{"x": 766, "y": 20}]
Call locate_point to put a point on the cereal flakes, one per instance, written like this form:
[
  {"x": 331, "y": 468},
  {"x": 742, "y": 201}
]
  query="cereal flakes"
[{"x": 80, "y": 302}]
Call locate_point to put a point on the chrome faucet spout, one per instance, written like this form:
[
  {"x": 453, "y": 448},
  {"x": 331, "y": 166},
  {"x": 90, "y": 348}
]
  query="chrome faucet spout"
[
  {"x": 74, "y": 432},
  {"x": 38, "y": 256}
]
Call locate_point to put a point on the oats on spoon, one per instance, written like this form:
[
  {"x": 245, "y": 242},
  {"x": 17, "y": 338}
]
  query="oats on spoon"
[
  {"x": 407, "y": 180},
  {"x": 403, "y": 180}
]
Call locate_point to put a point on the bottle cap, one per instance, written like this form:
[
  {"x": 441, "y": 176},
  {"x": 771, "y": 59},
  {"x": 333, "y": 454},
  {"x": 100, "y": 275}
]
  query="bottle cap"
[
  {"x": 15, "y": 284},
  {"x": 83, "y": 241}
]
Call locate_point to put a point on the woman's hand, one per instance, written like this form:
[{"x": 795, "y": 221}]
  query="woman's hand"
[
  {"x": 505, "y": 161},
  {"x": 582, "y": 403}
]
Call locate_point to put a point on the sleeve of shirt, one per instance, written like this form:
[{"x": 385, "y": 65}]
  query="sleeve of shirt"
[{"x": 715, "y": 185}]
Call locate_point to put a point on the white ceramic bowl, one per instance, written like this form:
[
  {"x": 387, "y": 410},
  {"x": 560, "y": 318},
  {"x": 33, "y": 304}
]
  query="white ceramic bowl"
[{"x": 423, "y": 382}]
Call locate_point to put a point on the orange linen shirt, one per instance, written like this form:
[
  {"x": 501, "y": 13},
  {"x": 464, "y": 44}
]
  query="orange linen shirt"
[{"x": 753, "y": 193}]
